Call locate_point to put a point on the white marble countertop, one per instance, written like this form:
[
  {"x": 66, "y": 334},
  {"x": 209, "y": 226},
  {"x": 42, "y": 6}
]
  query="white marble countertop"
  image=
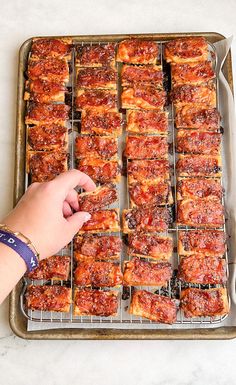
[{"x": 101, "y": 362}]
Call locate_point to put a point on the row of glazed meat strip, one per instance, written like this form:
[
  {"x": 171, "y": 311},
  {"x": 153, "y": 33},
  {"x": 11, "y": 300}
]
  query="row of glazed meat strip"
[
  {"x": 144, "y": 96},
  {"x": 199, "y": 189}
]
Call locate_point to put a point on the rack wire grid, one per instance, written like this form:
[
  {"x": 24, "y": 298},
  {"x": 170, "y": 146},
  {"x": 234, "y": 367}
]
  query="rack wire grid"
[{"x": 174, "y": 286}]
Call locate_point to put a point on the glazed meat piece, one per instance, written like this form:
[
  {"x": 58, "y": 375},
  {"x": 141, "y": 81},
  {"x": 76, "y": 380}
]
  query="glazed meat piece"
[
  {"x": 137, "y": 51},
  {"x": 149, "y": 219},
  {"x": 151, "y": 193},
  {"x": 44, "y": 166},
  {"x": 143, "y": 147},
  {"x": 97, "y": 247},
  {"x": 39, "y": 113},
  {"x": 150, "y": 246},
  {"x": 155, "y": 307},
  {"x": 102, "y": 221},
  {"x": 202, "y": 269},
  {"x": 203, "y": 95},
  {"x": 101, "y": 197},
  {"x": 52, "y": 69},
  {"x": 194, "y": 142},
  {"x": 96, "y": 55},
  {"x": 149, "y": 74},
  {"x": 154, "y": 170},
  {"x": 50, "y": 48},
  {"x": 48, "y": 298},
  {"x": 95, "y": 303},
  {"x": 199, "y": 188},
  {"x": 199, "y": 165},
  {"x": 145, "y": 97},
  {"x": 186, "y": 49},
  {"x": 43, "y": 91},
  {"x": 205, "y": 119},
  {"x": 98, "y": 99},
  {"x": 96, "y": 147},
  {"x": 207, "y": 212},
  {"x": 98, "y": 274},
  {"x": 105, "y": 78},
  {"x": 192, "y": 73},
  {"x": 144, "y": 273},
  {"x": 99, "y": 170},
  {"x": 56, "y": 267},
  {"x": 147, "y": 122},
  {"x": 101, "y": 123},
  {"x": 203, "y": 303},
  {"x": 47, "y": 137},
  {"x": 207, "y": 242}
]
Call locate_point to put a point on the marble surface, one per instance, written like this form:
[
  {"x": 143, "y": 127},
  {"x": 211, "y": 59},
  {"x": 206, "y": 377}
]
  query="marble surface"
[{"x": 101, "y": 362}]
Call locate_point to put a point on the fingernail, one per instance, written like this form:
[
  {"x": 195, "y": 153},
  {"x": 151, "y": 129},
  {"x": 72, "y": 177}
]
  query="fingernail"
[{"x": 87, "y": 216}]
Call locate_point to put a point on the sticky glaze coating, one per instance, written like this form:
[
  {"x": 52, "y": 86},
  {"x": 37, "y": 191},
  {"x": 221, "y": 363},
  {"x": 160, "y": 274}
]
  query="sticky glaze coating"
[
  {"x": 95, "y": 303},
  {"x": 99, "y": 170},
  {"x": 95, "y": 147},
  {"x": 155, "y": 307},
  {"x": 98, "y": 274},
  {"x": 100, "y": 198},
  {"x": 47, "y": 137},
  {"x": 206, "y": 119},
  {"x": 143, "y": 147},
  {"x": 97, "y": 247},
  {"x": 48, "y": 298},
  {"x": 150, "y": 245},
  {"x": 145, "y": 273},
  {"x": 55, "y": 267},
  {"x": 207, "y": 242}
]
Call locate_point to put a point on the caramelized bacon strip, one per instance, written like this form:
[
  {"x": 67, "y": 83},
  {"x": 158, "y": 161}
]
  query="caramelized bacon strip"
[
  {"x": 52, "y": 69},
  {"x": 203, "y": 303},
  {"x": 150, "y": 246},
  {"x": 154, "y": 170},
  {"x": 207, "y": 212},
  {"x": 56, "y": 267},
  {"x": 98, "y": 274},
  {"x": 186, "y": 49},
  {"x": 149, "y": 219},
  {"x": 50, "y": 48},
  {"x": 99, "y": 170},
  {"x": 105, "y": 78},
  {"x": 144, "y": 273},
  {"x": 203, "y": 95},
  {"x": 101, "y": 123},
  {"x": 207, "y": 242},
  {"x": 192, "y": 73},
  {"x": 101, "y": 100},
  {"x": 97, "y": 247},
  {"x": 150, "y": 193},
  {"x": 155, "y": 307},
  {"x": 147, "y": 122},
  {"x": 39, "y": 113},
  {"x": 194, "y": 142},
  {"x": 199, "y": 165},
  {"x": 206, "y": 119},
  {"x": 149, "y": 74},
  {"x": 102, "y": 221},
  {"x": 95, "y": 303},
  {"x": 145, "y": 97},
  {"x": 202, "y": 269},
  {"x": 137, "y": 51},
  {"x": 47, "y": 137},
  {"x": 96, "y": 147},
  {"x": 44, "y": 166},
  {"x": 96, "y": 56},
  {"x": 43, "y": 91},
  {"x": 143, "y": 147},
  {"x": 103, "y": 196},
  {"x": 199, "y": 188},
  {"x": 48, "y": 298}
]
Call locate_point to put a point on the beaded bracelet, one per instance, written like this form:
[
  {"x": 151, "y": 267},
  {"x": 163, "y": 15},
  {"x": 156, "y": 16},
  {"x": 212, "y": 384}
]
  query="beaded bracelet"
[{"x": 25, "y": 248}]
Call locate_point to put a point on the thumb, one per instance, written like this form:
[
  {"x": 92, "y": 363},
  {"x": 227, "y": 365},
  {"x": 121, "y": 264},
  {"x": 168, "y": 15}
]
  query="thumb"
[{"x": 77, "y": 220}]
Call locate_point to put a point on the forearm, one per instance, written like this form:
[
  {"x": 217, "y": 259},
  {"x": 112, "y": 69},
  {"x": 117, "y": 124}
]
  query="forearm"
[{"x": 12, "y": 268}]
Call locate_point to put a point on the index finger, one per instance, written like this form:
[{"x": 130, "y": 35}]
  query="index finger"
[{"x": 73, "y": 178}]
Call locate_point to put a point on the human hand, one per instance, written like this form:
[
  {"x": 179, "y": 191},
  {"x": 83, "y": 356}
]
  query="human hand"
[{"x": 44, "y": 213}]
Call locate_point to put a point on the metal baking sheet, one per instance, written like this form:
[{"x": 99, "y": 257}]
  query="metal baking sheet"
[{"x": 18, "y": 323}]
